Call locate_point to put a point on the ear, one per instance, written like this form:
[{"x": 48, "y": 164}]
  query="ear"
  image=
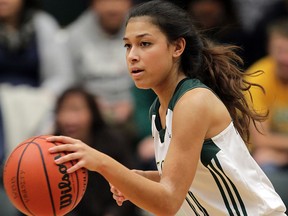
[{"x": 180, "y": 45}]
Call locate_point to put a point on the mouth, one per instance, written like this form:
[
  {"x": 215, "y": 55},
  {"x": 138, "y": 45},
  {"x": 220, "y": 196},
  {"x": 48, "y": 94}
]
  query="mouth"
[{"x": 135, "y": 71}]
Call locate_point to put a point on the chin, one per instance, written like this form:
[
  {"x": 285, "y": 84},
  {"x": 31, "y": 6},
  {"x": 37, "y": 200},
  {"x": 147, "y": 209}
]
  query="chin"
[{"x": 142, "y": 86}]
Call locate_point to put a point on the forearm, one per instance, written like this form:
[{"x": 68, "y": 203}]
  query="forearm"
[
  {"x": 152, "y": 196},
  {"x": 152, "y": 175}
]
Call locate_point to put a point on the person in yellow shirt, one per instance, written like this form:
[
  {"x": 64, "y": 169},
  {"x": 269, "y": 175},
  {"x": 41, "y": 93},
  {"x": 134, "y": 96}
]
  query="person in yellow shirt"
[{"x": 270, "y": 149}]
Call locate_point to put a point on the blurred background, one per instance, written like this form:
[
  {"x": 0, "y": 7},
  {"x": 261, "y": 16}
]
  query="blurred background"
[{"x": 63, "y": 71}]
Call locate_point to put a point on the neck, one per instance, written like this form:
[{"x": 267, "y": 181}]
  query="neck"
[{"x": 166, "y": 91}]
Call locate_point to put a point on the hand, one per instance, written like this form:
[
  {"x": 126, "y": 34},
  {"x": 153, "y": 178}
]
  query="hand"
[
  {"x": 79, "y": 151},
  {"x": 117, "y": 195}
]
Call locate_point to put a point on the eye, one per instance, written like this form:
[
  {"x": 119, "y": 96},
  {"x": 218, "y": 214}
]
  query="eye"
[
  {"x": 145, "y": 44},
  {"x": 127, "y": 46}
]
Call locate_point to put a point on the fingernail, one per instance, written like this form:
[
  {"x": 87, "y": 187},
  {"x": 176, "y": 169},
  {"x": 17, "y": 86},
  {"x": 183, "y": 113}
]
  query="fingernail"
[
  {"x": 51, "y": 150},
  {"x": 57, "y": 161}
]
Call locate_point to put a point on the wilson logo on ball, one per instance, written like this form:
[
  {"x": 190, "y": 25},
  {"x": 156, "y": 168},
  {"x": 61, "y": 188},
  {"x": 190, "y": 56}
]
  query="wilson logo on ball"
[{"x": 64, "y": 186}]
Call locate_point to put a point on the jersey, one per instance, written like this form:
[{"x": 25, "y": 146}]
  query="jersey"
[{"x": 227, "y": 181}]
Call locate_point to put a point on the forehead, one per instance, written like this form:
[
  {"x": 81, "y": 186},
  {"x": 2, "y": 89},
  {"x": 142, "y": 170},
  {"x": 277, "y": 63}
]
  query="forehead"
[{"x": 142, "y": 25}]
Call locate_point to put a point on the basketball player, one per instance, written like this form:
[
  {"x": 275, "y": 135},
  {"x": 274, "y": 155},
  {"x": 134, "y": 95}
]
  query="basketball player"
[{"x": 199, "y": 123}]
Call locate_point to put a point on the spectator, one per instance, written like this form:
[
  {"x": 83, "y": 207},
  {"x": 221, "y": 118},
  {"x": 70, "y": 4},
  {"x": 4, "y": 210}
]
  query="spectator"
[
  {"x": 30, "y": 53},
  {"x": 33, "y": 64},
  {"x": 219, "y": 21},
  {"x": 78, "y": 116},
  {"x": 270, "y": 147},
  {"x": 96, "y": 47},
  {"x": 34, "y": 68},
  {"x": 258, "y": 36}
]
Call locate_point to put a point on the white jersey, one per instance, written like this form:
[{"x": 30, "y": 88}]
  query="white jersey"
[{"x": 228, "y": 181}]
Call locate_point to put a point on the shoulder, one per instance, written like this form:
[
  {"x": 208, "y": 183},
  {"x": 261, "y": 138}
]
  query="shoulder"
[
  {"x": 45, "y": 20},
  {"x": 183, "y": 87},
  {"x": 203, "y": 110},
  {"x": 83, "y": 22},
  {"x": 196, "y": 104},
  {"x": 47, "y": 30},
  {"x": 84, "y": 30},
  {"x": 198, "y": 99}
]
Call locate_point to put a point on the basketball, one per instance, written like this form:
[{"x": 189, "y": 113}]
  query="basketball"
[{"x": 36, "y": 185}]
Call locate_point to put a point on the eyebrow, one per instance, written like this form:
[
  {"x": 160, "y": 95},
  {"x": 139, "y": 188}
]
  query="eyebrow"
[{"x": 139, "y": 36}]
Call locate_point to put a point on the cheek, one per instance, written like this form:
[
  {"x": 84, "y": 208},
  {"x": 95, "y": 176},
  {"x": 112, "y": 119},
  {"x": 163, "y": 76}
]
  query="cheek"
[
  {"x": 160, "y": 60},
  {"x": 85, "y": 120},
  {"x": 62, "y": 118}
]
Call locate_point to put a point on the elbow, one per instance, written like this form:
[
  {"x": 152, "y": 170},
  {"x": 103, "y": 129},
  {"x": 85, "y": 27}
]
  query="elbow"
[
  {"x": 166, "y": 212},
  {"x": 170, "y": 209}
]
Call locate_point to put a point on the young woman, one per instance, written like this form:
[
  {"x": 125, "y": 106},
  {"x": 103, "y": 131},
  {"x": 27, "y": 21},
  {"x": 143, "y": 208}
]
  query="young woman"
[{"x": 199, "y": 121}]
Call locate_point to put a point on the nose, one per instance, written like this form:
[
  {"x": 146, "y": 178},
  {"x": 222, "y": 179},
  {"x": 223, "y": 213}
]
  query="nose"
[{"x": 132, "y": 55}]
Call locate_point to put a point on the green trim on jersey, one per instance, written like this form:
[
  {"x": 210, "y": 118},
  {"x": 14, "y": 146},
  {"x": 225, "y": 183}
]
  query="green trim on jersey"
[
  {"x": 209, "y": 152},
  {"x": 211, "y": 162},
  {"x": 190, "y": 199},
  {"x": 183, "y": 86}
]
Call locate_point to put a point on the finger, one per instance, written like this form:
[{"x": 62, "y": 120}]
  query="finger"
[
  {"x": 119, "y": 203},
  {"x": 116, "y": 191},
  {"x": 119, "y": 200},
  {"x": 62, "y": 148},
  {"x": 62, "y": 139},
  {"x": 75, "y": 167},
  {"x": 66, "y": 158},
  {"x": 113, "y": 189}
]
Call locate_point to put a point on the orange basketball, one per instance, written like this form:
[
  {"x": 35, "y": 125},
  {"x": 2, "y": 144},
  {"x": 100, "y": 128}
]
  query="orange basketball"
[{"x": 36, "y": 185}]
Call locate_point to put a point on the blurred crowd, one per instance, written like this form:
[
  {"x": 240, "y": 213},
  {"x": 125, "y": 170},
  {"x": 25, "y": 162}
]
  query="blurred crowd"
[{"x": 63, "y": 71}]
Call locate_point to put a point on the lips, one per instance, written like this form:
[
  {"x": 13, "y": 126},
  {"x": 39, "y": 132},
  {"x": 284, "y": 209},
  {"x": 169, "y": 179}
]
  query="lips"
[{"x": 136, "y": 71}]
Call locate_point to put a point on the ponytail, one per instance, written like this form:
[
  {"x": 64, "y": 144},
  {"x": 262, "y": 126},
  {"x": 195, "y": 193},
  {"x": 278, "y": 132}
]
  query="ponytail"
[{"x": 221, "y": 72}]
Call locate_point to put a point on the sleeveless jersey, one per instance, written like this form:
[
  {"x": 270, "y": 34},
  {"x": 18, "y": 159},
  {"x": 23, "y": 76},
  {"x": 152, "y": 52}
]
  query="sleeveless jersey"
[{"x": 227, "y": 181}]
